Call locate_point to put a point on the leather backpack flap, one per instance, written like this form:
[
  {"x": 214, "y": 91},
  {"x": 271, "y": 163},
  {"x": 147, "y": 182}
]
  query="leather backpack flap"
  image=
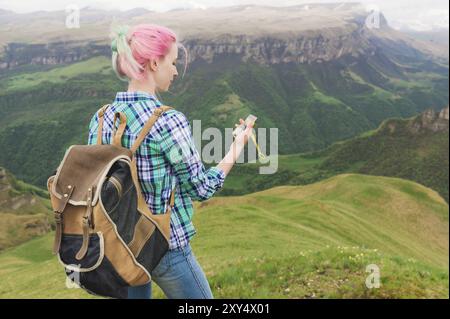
[{"x": 81, "y": 169}]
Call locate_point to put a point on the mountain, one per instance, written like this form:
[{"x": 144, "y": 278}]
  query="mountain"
[
  {"x": 416, "y": 149},
  {"x": 25, "y": 212},
  {"x": 296, "y": 34},
  {"x": 436, "y": 36},
  {"x": 312, "y": 241},
  {"x": 317, "y": 80}
]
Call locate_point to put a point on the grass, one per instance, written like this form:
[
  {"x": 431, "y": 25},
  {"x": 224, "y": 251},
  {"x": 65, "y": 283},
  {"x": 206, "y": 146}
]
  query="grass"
[
  {"x": 377, "y": 91},
  {"x": 325, "y": 99},
  {"x": 226, "y": 113},
  {"x": 332, "y": 272},
  {"x": 97, "y": 65},
  {"x": 298, "y": 163},
  {"x": 310, "y": 241},
  {"x": 25, "y": 211}
]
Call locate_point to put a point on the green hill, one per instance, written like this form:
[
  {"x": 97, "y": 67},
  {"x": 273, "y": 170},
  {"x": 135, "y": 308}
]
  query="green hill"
[
  {"x": 416, "y": 149},
  {"x": 25, "y": 211},
  {"x": 310, "y": 241}
]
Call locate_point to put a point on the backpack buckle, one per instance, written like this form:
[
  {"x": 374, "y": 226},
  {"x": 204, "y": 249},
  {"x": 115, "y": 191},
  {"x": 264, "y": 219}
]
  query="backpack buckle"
[
  {"x": 88, "y": 217},
  {"x": 58, "y": 217},
  {"x": 65, "y": 199}
]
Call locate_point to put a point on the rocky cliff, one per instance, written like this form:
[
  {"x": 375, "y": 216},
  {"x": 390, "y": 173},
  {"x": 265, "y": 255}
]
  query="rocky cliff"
[
  {"x": 432, "y": 120},
  {"x": 268, "y": 35},
  {"x": 18, "y": 54}
]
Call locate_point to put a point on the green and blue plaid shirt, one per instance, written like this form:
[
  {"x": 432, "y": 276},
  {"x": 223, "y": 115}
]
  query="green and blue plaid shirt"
[{"x": 166, "y": 157}]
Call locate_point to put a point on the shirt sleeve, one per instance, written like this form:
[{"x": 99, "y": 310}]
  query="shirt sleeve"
[
  {"x": 179, "y": 150},
  {"x": 93, "y": 127}
]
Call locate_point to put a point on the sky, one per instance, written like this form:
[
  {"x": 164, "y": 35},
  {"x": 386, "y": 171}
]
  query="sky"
[{"x": 422, "y": 15}]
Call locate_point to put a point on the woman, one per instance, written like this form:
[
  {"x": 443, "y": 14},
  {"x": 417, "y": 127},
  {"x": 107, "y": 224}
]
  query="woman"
[{"x": 146, "y": 56}]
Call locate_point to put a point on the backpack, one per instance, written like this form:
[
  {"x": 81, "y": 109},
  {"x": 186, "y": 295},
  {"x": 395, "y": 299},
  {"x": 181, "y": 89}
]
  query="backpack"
[{"x": 106, "y": 237}]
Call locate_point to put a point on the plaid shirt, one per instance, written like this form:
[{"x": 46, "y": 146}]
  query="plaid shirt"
[{"x": 168, "y": 151}]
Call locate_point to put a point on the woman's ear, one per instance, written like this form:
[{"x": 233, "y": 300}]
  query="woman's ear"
[{"x": 152, "y": 65}]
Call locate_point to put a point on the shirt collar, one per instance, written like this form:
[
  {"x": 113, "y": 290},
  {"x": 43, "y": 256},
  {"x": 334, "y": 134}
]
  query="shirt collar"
[{"x": 134, "y": 97}]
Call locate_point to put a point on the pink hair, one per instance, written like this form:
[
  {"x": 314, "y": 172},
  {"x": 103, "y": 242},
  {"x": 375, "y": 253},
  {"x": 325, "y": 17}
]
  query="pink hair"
[{"x": 134, "y": 48}]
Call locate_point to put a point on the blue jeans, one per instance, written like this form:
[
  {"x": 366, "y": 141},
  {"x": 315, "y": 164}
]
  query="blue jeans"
[{"x": 178, "y": 275}]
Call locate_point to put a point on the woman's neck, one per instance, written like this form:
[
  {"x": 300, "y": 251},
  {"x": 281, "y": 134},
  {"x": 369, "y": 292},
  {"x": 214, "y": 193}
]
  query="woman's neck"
[{"x": 141, "y": 86}]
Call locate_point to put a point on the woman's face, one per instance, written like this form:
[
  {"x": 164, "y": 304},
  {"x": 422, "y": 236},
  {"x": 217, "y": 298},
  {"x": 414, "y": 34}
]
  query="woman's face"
[{"x": 166, "y": 70}]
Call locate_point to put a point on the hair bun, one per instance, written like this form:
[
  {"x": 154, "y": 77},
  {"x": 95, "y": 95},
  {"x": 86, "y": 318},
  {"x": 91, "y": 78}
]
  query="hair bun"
[
  {"x": 114, "y": 45},
  {"x": 119, "y": 34}
]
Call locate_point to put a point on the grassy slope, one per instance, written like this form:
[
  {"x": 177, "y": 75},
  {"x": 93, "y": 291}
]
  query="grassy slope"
[
  {"x": 98, "y": 65},
  {"x": 25, "y": 212},
  {"x": 293, "y": 242}
]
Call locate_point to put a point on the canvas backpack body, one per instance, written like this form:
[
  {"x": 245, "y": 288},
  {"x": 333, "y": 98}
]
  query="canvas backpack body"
[{"x": 106, "y": 237}]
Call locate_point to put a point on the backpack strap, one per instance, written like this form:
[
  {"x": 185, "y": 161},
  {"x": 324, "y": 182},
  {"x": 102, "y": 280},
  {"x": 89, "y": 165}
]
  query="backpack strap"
[
  {"x": 117, "y": 136},
  {"x": 59, "y": 218},
  {"x": 148, "y": 126},
  {"x": 101, "y": 114},
  {"x": 87, "y": 223}
]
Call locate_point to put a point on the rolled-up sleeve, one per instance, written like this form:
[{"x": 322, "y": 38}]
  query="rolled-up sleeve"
[
  {"x": 93, "y": 127},
  {"x": 178, "y": 147}
]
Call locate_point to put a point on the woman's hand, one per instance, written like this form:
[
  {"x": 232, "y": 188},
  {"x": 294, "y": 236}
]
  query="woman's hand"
[
  {"x": 242, "y": 138},
  {"x": 236, "y": 148}
]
